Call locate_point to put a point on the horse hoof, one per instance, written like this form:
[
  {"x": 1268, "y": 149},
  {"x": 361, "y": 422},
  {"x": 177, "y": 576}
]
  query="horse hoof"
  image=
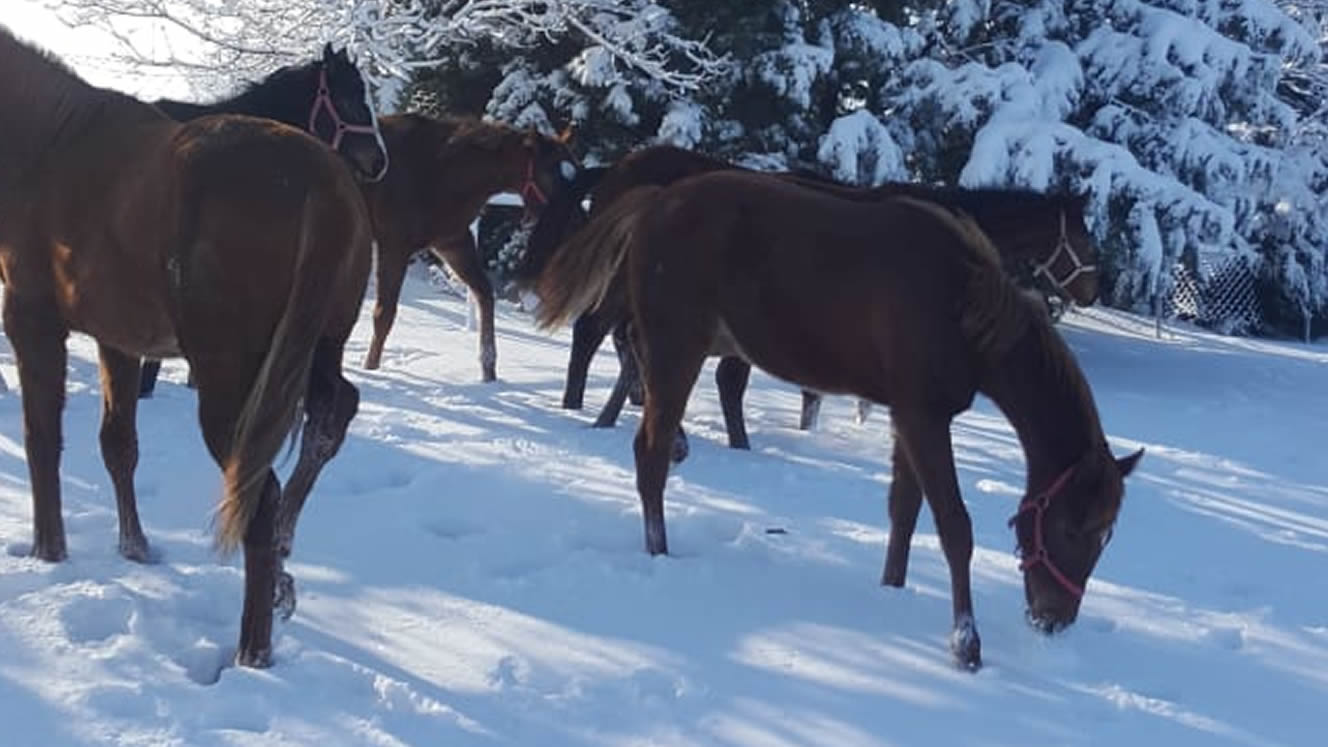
[
  {"x": 283, "y": 601},
  {"x": 489, "y": 376},
  {"x": 135, "y": 550},
  {"x": 50, "y": 551},
  {"x": 966, "y": 645},
  {"x": 260, "y": 659},
  {"x": 371, "y": 363},
  {"x": 681, "y": 449}
]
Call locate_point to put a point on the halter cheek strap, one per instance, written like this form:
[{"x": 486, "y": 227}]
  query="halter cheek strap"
[
  {"x": 1077, "y": 265},
  {"x": 530, "y": 190},
  {"x": 1038, "y": 505},
  {"x": 323, "y": 101}
]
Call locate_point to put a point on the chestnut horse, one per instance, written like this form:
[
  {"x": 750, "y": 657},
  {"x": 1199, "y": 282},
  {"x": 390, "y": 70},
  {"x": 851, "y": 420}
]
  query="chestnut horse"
[
  {"x": 239, "y": 243},
  {"x": 899, "y": 301},
  {"x": 443, "y": 172},
  {"x": 1045, "y": 230},
  {"x": 327, "y": 97}
]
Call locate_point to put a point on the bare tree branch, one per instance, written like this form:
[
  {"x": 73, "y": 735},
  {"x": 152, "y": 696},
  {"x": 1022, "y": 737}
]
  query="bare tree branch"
[{"x": 217, "y": 43}]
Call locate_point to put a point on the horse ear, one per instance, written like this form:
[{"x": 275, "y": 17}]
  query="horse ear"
[
  {"x": 327, "y": 52},
  {"x": 1127, "y": 464}
]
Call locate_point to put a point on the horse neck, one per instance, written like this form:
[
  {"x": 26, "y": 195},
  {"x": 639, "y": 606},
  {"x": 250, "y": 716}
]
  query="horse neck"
[
  {"x": 288, "y": 99},
  {"x": 1039, "y": 387},
  {"x": 1021, "y": 225}
]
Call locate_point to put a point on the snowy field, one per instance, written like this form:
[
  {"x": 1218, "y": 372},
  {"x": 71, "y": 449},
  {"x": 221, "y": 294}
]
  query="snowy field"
[{"x": 471, "y": 569}]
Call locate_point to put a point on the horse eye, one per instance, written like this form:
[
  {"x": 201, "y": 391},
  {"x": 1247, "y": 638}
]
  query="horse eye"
[{"x": 568, "y": 170}]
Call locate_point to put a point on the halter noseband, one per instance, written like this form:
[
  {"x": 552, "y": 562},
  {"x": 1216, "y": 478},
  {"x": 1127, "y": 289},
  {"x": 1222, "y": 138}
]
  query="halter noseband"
[
  {"x": 324, "y": 101},
  {"x": 1038, "y": 505},
  {"x": 1063, "y": 245}
]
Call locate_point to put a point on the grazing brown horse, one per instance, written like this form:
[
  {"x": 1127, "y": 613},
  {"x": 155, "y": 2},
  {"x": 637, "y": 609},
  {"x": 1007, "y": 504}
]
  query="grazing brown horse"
[
  {"x": 239, "y": 243},
  {"x": 443, "y": 172},
  {"x": 900, "y": 302},
  {"x": 1044, "y": 230}
]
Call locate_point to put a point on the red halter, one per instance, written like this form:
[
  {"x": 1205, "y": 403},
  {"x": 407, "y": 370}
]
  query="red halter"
[
  {"x": 324, "y": 101},
  {"x": 529, "y": 189},
  {"x": 1038, "y": 505}
]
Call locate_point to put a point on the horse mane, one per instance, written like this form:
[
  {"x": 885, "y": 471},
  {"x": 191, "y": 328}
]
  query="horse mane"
[
  {"x": 55, "y": 100},
  {"x": 578, "y": 276},
  {"x": 994, "y": 312},
  {"x": 1000, "y": 320}
]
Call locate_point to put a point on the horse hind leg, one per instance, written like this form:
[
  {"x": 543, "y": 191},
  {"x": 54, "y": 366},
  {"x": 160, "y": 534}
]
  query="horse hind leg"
[
  {"x": 629, "y": 379},
  {"x": 622, "y": 345},
  {"x": 464, "y": 259},
  {"x": 587, "y": 334},
  {"x": 223, "y": 385},
  {"x": 330, "y": 405},
  {"x": 120, "y": 382},
  {"x": 811, "y": 410},
  {"x": 37, "y": 334},
  {"x": 731, "y": 376}
]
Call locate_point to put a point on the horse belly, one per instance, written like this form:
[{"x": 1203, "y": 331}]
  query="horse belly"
[{"x": 115, "y": 308}]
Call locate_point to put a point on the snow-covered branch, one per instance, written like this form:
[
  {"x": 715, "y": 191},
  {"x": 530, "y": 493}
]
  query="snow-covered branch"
[{"x": 216, "y": 43}]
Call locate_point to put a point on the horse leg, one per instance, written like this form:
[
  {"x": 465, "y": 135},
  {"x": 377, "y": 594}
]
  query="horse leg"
[
  {"x": 905, "y": 502},
  {"x": 329, "y": 405},
  {"x": 391, "y": 274},
  {"x": 731, "y": 377},
  {"x": 37, "y": 334},
  {"x": 622, "y": 345},
  {"x": 464, "y": 259},
  {"x": 148, "y": 378},
  {"x": 927, "y": 442},
  {"x": 120, "y": 375},
  {"x": 811, "y": 410},
  {"x": 629, "y": 378},
  {"x": 670, "y": 363},
  {"x": 587, "y": 334},
  {"x": 864, "y": 408},
  {"x": 223, "y": 386}
]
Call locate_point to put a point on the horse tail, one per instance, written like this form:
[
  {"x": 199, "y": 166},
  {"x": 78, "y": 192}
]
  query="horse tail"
[
  {"x": 577, "y": 278},
  {"x": 556, "y": 221},
  {"x": 272, "y": 409}
]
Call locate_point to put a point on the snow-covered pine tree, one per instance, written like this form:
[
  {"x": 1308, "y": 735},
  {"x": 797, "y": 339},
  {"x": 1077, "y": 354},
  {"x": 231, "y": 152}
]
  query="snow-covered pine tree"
[{"x": 1166, "y": 112}]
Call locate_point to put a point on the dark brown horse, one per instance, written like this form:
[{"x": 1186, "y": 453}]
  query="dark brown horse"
[
  {"x": 443, "y": 172},
  {"x": 326, "y": 96},
  {"x": 900, "y": 302},
  {"x": 239, "y": 243},
  {"x": 1046, "y": 232}
]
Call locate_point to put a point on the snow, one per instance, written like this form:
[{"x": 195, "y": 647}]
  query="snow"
[{"x": 471, "y": 569}]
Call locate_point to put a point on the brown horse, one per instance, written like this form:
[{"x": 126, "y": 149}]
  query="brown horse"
[
  {"x": 900, "y": 302},
  {"x": 240, "y": 243},
  {"x": 327, "y": 97},
  {"x": 1041, "y": 230},
  {"x": 443, "y": 172}
]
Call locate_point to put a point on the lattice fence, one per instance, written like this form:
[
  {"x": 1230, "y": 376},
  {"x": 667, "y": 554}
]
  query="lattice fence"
[{"x": 1220, "y": 293}]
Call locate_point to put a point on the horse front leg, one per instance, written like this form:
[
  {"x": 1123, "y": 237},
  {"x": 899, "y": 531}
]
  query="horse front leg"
[
  {"x": 120, "y": 382},
  {"x": 926, "y": 440},
  {"x": 37, "y": 334}
]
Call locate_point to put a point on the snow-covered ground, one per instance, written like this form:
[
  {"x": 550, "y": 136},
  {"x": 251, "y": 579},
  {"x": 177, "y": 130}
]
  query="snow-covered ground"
[{"x": 471, "y": 569}]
